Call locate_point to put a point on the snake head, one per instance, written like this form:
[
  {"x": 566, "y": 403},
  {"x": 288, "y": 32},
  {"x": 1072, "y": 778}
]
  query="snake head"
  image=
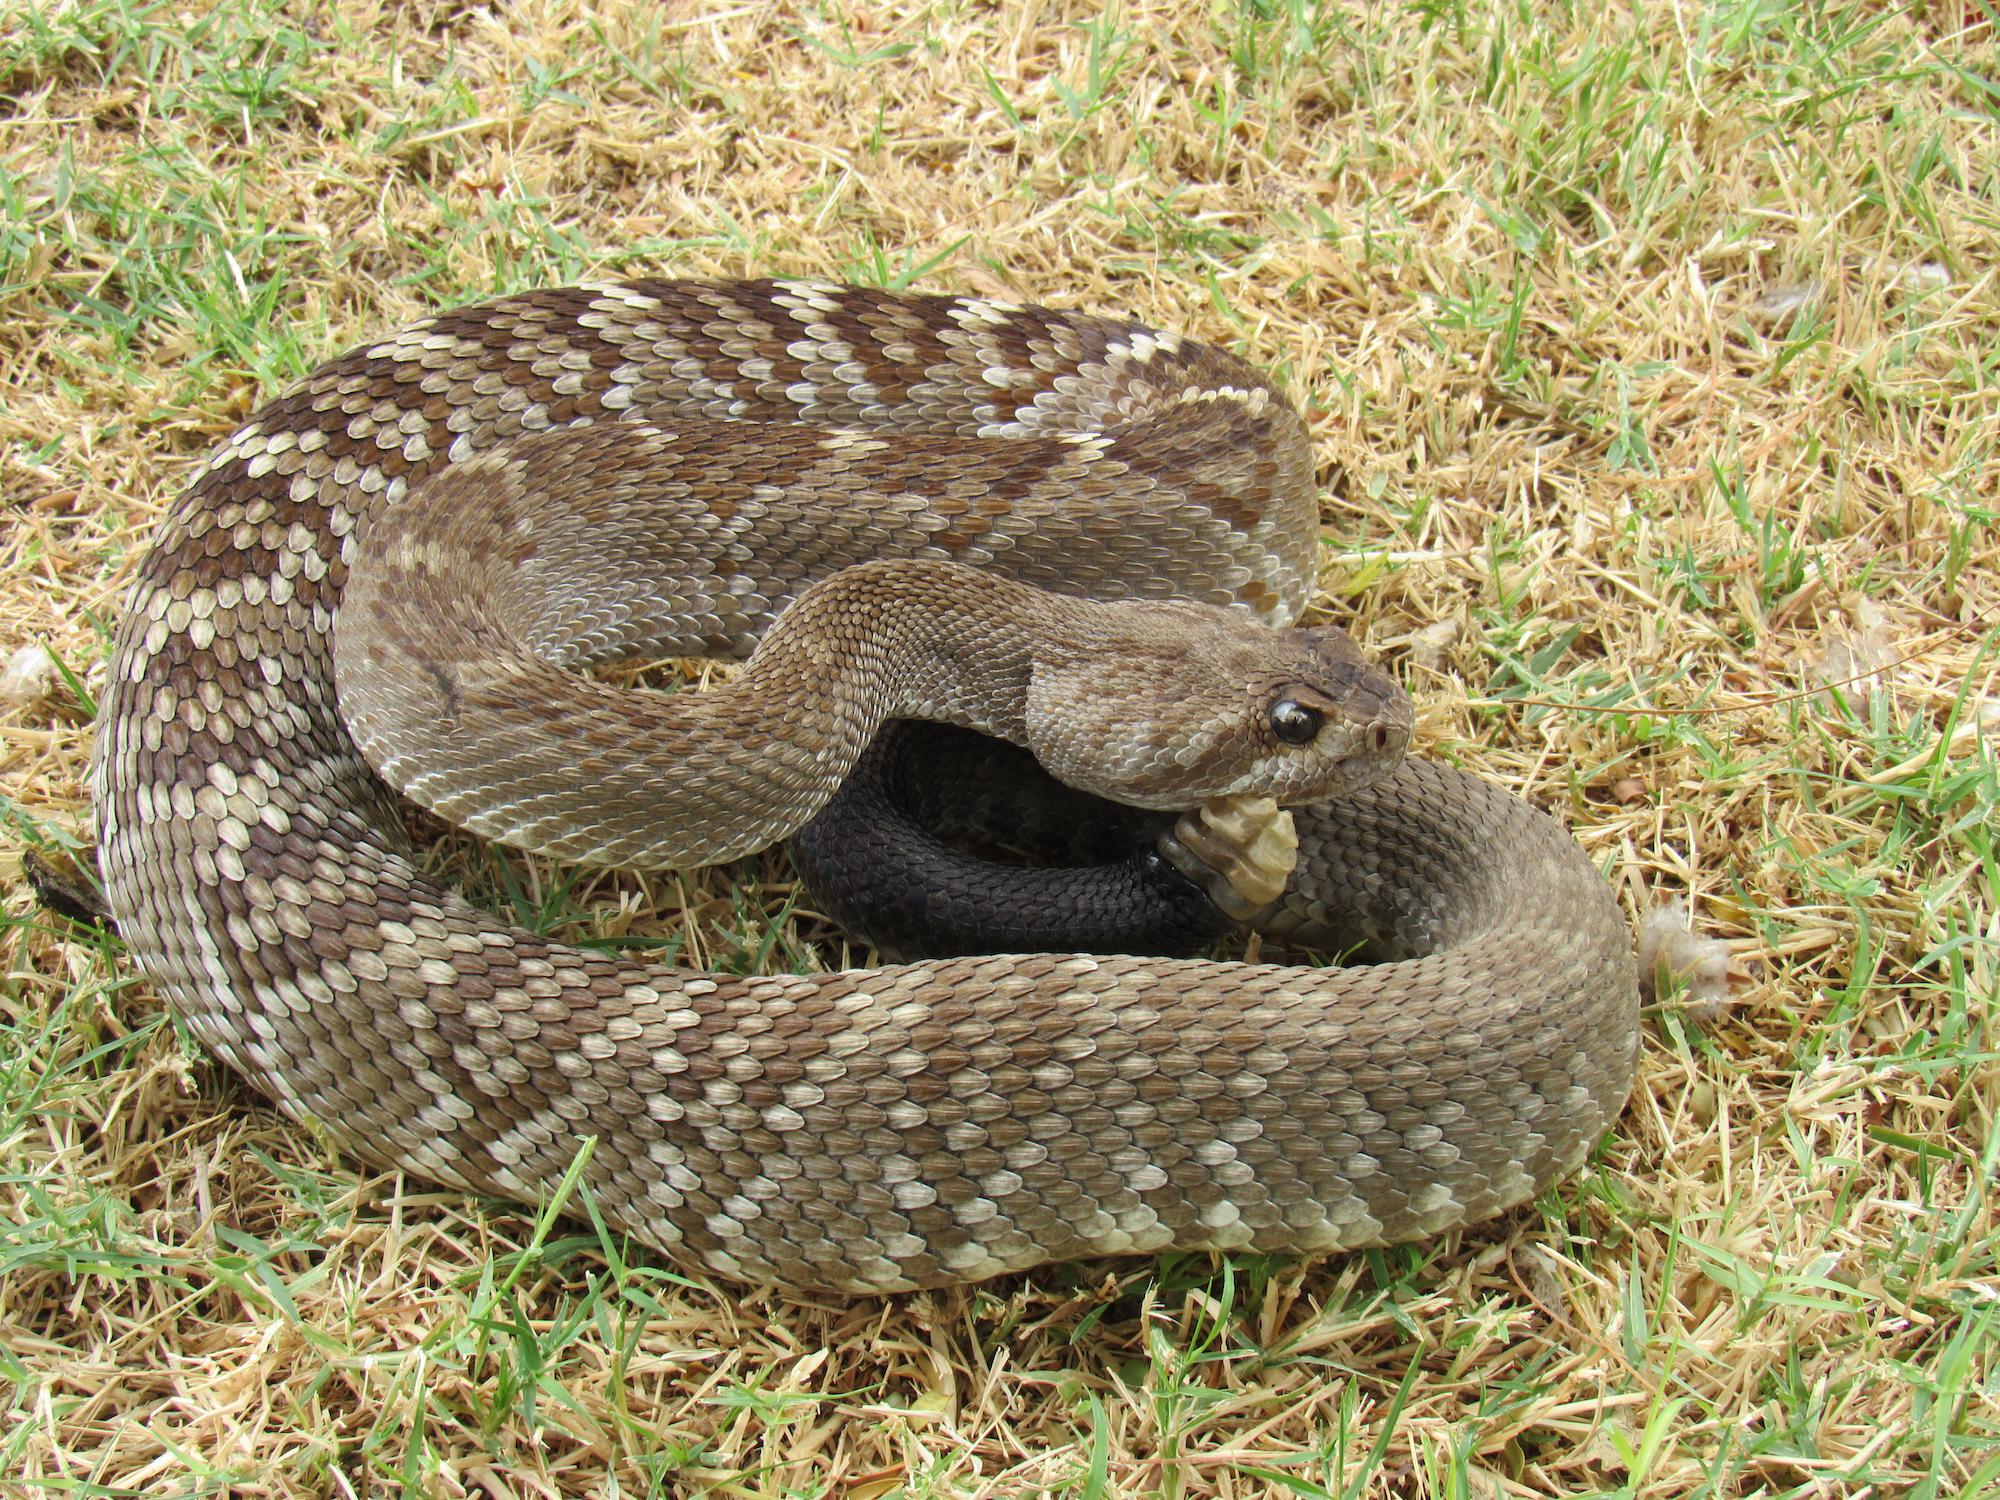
[{"x": 1169, "y": 705}]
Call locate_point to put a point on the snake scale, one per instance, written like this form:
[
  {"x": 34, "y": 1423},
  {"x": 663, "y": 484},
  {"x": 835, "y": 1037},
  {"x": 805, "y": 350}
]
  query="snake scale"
[{"x": 402, "y": 567}]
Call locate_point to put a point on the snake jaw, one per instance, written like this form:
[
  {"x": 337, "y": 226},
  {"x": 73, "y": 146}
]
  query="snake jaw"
[{"x": 1168, "y": 706}]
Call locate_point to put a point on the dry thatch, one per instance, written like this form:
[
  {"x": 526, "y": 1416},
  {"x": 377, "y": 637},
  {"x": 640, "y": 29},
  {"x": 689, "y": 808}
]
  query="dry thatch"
[{"x": 1653, "y": 355}]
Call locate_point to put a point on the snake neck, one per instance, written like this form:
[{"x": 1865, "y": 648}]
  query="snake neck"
[
  {"x": 457, "y": 694},
  {"x": 904, "y": 639}
]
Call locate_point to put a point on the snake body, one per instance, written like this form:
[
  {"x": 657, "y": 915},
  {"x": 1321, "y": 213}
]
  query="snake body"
[{"x": 664, "y": 468}]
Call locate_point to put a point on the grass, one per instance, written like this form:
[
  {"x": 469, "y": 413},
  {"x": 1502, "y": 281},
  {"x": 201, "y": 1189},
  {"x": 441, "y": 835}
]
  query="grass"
[{"x": 1652, "y": 355}]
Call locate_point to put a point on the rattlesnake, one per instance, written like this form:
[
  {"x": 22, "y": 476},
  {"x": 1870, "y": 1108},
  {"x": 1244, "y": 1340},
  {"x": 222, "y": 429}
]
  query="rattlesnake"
[{"x": 661, "y": 468}]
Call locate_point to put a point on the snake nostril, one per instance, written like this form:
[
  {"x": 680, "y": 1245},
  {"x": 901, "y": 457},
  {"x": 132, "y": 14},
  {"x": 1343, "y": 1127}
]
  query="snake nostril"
[{"x": 1381, "y": 737}]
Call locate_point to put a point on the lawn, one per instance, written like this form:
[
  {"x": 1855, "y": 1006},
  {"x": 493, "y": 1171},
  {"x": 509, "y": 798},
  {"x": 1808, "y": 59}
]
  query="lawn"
[{"x": 1652, "y": 358}]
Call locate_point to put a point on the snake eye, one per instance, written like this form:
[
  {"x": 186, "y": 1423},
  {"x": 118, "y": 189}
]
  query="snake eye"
[{"x": 1294, "y": 723}]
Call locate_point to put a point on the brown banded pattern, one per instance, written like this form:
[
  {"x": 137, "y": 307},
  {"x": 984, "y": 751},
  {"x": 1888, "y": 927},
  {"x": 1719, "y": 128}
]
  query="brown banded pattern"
[{"x": 869, "y": 1130}]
